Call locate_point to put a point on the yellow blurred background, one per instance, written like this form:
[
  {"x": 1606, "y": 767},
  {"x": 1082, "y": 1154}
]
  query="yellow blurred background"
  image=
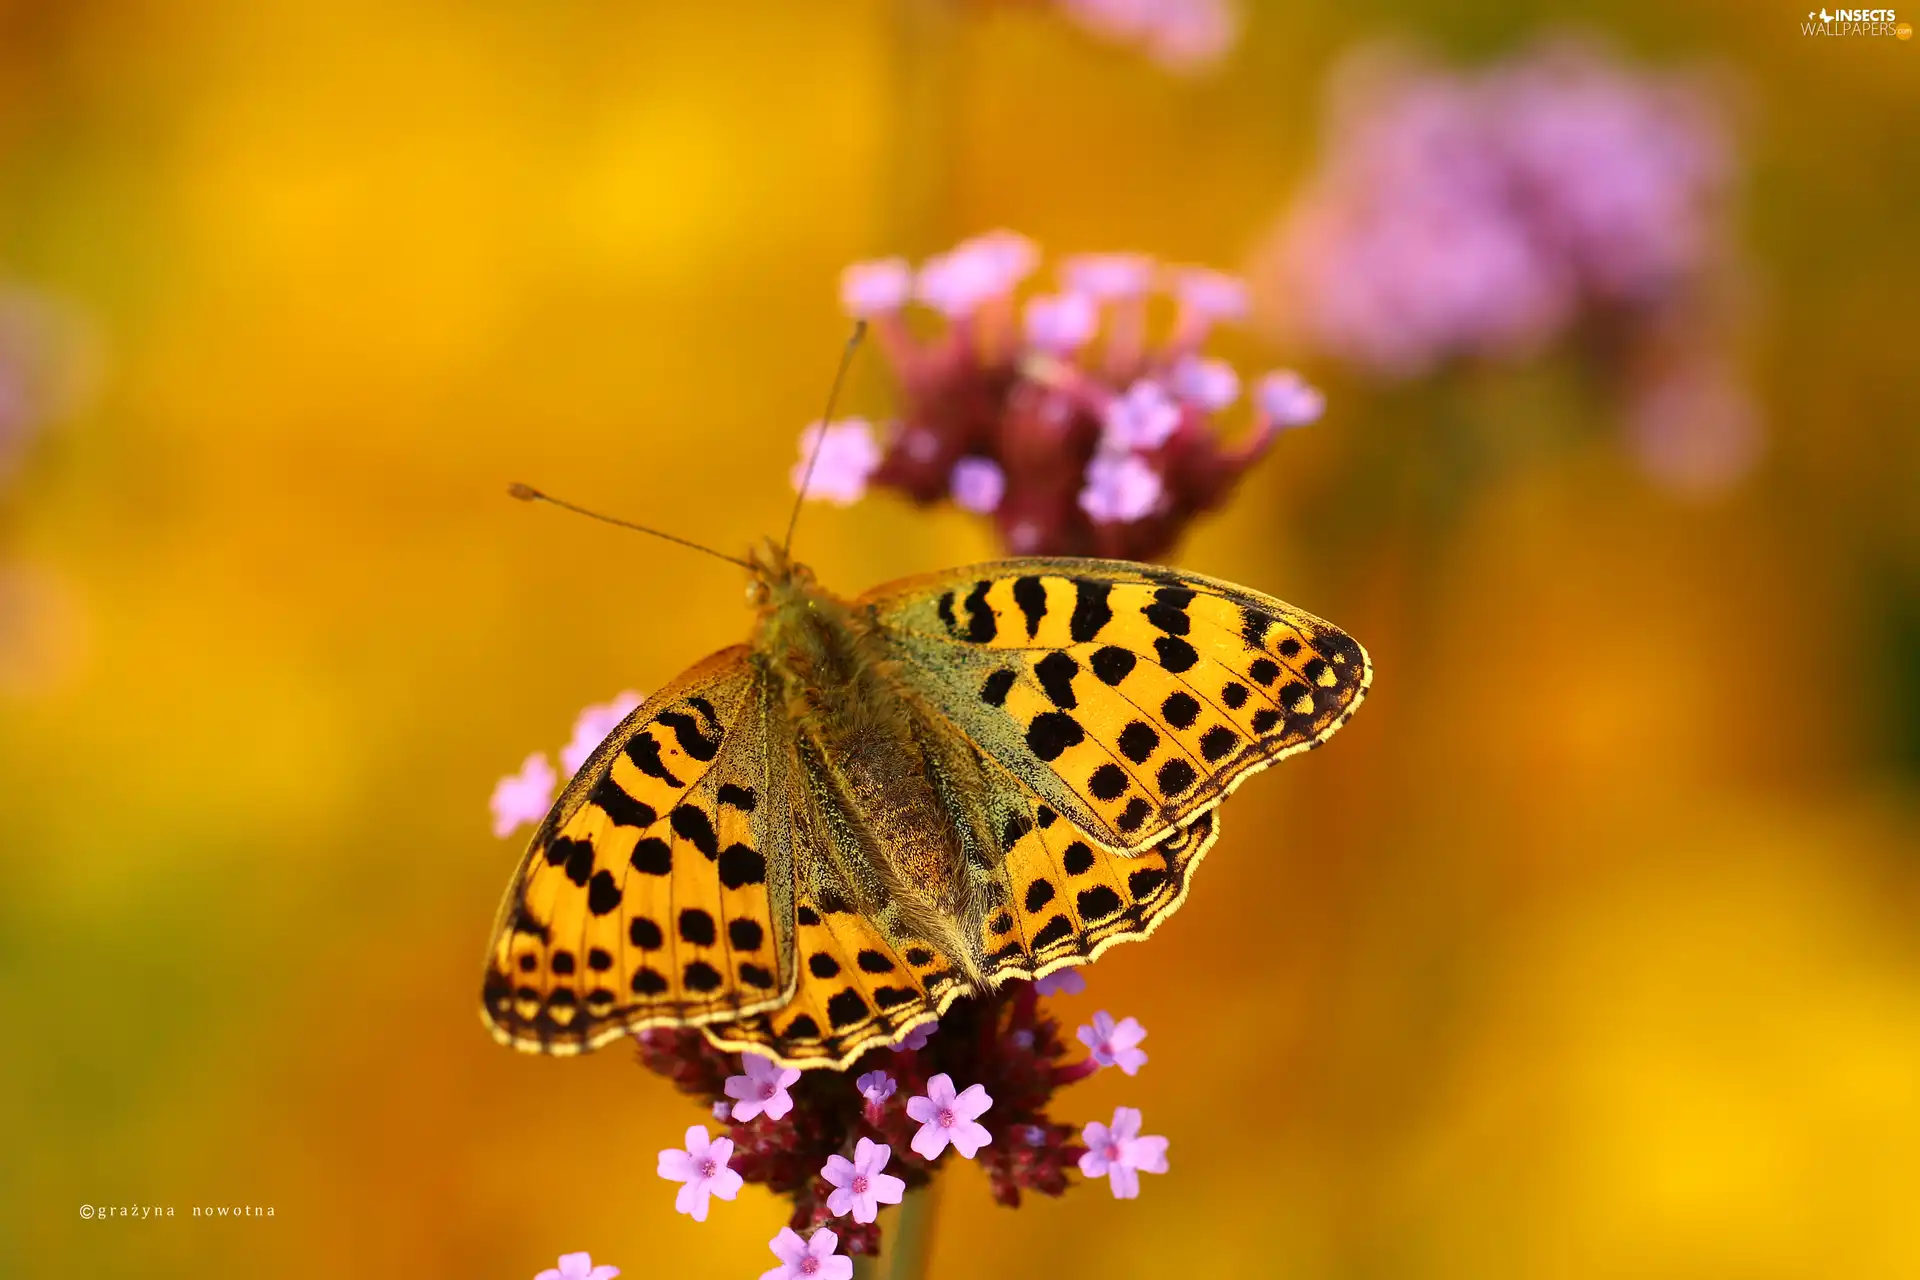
[{"x": 1589, "y": 949}]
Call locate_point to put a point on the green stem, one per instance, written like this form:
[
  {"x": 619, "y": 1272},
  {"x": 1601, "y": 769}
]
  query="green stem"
[{"x": 911, "y": 1240}]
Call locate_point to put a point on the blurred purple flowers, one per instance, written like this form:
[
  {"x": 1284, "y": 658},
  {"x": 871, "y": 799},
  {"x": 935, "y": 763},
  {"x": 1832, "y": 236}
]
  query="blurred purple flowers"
[
  {"x": 523, "y": 798},
  {"x": 1466, "y": 215},
  {"x": 1064, "y": 420},
  {"x": 1183, "y": 36}
]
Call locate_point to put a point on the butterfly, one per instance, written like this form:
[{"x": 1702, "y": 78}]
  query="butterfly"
[{"x": 810, "y": 844}]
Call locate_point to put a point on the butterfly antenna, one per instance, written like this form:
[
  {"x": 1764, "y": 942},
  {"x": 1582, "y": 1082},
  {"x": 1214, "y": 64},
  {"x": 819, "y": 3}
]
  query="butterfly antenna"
[
  {"x": 826, "y": 418},
  {"x": 527, "y": 493}
]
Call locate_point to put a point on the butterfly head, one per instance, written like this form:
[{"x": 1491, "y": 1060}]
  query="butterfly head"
[{"x": 779, "y": 581}]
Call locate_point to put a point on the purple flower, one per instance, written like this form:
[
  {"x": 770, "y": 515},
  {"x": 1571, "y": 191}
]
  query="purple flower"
[
  {"x": 723, "y": 1111},
  {"x": 876, "y": 1087},
  {"x": 762, "y": 1088},
  {"x": 1144, "y": 418},
  {"x": 1119, "y": 1152},
  {"x": 1061, "y": 323},
  {"x": 1119, "y": 488},
  {"x": 593, "y": 726},
  {"x": 1061, "y": 982},
  {"x": 978, "y": 485},
  {"x": 1286, "y": 400},
  {"x": 703, "y": 1168},
  {"x": 916, "y": 1038},
  {"x": 847, "y": 457},
  {"x": 811, "y": 1259},
  {"x": 524, "y": 796},
  {"x": 1463, "y": 214},
  {"x": 1115, "y": 1045},
  {"x": 859, "y": 1186},
  {"x": 1210, "y": 295},
  {"x": 1210, "y": 384},
  {"x": 948, "y": 1117},
  {"x": 957, "y": 283},
  {"x": 1107, "y": 277},
  {"x": 578, "y": 1266},
  {"x": 868, "y": 289}
]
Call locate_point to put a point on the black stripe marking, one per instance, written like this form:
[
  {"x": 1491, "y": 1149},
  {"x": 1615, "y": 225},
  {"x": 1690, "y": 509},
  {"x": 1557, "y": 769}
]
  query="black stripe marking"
[
  {"x": 1090, "y": 609},
  {"x": 1032, "y": 599}
]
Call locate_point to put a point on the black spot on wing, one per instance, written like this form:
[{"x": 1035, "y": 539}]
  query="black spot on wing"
[
  {"x": 645, "y": 934},
  {"x": 846, "y": 1008},
  {"x": 1108, "y": 782},
  {"x": 1169, "y": 610},
  {"x": 1180, "y": 710},
  {"x": 1090, "y": 609},
  {"x": 1078, "y": 859},
  {"x": 693, "y": 825},
  {"x": 1097, "y": 903},
  {"x": 741, "y": 866},
  {"x": 1113, "y": 664},
  {"x": 687, "y": 732},
  {"x": 696, "y": 926},
  {"x": 1253, "y": 627},
  {"x": 603, "y": 895},
  {"x": 1031, "y": 596},
  {"x": 947, "y": 619},
  {"x": 981, "y": 624},
  {"x": 652, "y": 856},
  {"x": 1055, "y": 930},
  {"x": 621, "y": 808},
  {"x": 1056, "y": 672},
  {"x": 1138, "y": 741},
  {"x": 1175, "y": 654},
  {"x": 645, "y": 754},
  {"x": 1052, "y": 732},
  {"x": 741, "y": 798},
  {"x": 993, "y": 691}
]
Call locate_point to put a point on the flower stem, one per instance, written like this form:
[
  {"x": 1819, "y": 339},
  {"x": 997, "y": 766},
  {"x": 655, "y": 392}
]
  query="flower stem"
[{"x": 911, "y": 1240}]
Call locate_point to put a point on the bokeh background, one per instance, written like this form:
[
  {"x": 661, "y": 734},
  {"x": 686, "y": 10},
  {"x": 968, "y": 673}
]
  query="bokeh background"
[{"x": 1588, "y": 949}]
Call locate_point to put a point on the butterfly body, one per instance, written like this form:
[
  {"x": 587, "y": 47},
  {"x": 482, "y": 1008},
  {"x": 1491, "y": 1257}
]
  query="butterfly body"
[{"x": 812, "y": 843}]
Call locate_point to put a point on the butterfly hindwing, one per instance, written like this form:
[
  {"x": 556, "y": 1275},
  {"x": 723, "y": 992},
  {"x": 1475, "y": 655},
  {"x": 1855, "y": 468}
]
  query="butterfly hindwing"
[
  {"x": 1068, "y": 899},
  {"x": 1128, "y": 698},
  {"x": 656, "y": 890}
]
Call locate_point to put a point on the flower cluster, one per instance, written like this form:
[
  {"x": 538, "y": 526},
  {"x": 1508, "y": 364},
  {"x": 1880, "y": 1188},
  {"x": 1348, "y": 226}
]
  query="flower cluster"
[
  {"x": 842, "y": 1144},
  {"x": 1181, "y": 35},
  {"x": 524, "y": 797},
  {"x": 1061, "y": 417},
  {"x": 1487, "y": 215}
]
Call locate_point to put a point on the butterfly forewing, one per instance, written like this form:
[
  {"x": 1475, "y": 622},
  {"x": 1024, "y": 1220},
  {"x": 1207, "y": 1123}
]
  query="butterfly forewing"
[
  {"x": 656, "y": 891},
  {"x": 1128, "y": 698}
]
